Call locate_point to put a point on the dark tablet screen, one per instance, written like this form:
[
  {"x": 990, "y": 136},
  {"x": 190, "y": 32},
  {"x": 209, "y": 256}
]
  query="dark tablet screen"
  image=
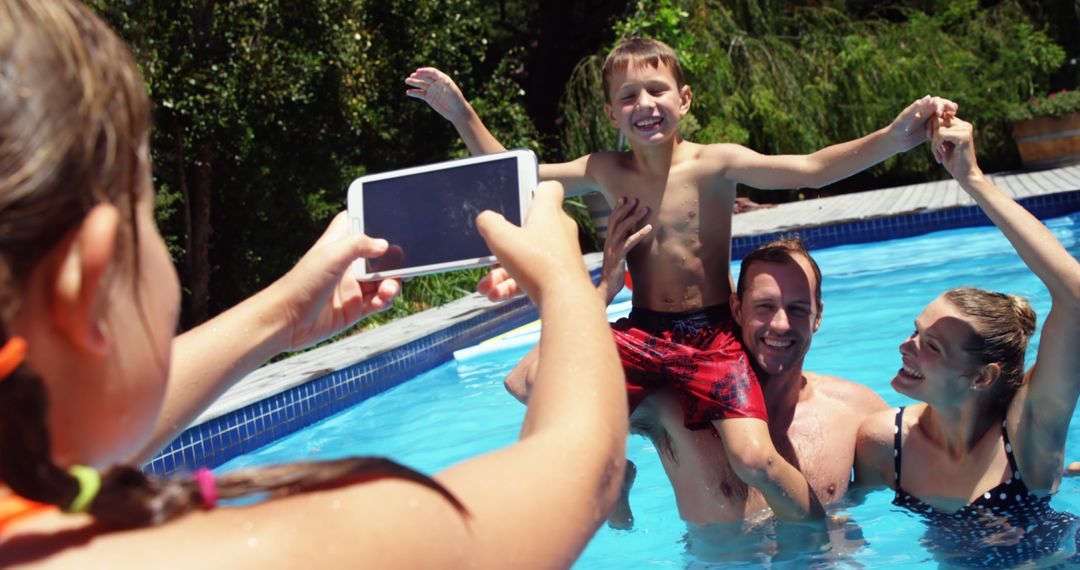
[{"x": 430, "y": 217}]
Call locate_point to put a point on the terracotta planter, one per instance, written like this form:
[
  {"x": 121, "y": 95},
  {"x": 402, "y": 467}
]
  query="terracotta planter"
[{"x": 1048, "y": 141}]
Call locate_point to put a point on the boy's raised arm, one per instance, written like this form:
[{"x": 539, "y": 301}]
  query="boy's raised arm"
[
  {"x": 835, "y": 162},
  {"x": 439, "y": 90}
]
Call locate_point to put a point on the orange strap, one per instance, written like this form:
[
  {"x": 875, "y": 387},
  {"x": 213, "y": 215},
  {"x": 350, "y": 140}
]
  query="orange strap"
[
  {"x": 14, "y": 508},
  {"x": 11, "y": 356}
]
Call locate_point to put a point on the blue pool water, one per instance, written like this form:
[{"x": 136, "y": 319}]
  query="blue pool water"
[{"x": 872, "y": 294}]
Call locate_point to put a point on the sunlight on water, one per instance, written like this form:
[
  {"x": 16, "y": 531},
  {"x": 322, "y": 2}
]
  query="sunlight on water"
[{"x": 872, "y": 294}]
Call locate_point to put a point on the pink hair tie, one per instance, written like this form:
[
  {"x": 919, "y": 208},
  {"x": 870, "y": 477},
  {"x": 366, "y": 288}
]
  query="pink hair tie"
[{"x": 207, "y": 487}]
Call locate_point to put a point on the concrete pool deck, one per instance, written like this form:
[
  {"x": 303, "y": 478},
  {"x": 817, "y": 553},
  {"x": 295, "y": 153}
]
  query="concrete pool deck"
[
  {"x": 434, "y": 330},
  {"x": 899, "y": 200}
]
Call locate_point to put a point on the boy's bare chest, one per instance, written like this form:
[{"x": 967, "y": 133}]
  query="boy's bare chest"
[{"x": 680, "y": 203}]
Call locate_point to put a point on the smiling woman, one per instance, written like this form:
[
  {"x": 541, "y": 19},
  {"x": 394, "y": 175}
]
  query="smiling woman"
[{"x": 977, "y": 421}]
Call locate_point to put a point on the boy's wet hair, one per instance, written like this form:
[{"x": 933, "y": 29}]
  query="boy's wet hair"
[
  {"x": 780, "y": 250},
  {"x": 640, "y": 52}
]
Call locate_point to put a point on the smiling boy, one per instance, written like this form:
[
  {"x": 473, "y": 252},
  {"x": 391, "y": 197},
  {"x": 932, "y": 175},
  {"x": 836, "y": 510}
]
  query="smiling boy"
[{"x": 680, "y": 333}]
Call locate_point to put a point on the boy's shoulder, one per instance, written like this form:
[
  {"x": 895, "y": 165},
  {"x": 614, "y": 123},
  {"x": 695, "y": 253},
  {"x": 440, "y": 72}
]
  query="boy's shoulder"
[
  {"x": 722, "y": 150},
  {"x": 608, "y": 160}
]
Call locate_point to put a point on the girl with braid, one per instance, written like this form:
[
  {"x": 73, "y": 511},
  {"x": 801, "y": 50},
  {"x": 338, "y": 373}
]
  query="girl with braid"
[{"x": 88, "y": 305}]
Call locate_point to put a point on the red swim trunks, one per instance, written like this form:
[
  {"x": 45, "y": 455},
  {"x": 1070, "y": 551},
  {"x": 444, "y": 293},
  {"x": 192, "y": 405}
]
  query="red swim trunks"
[{"x": 696, "y": 354}]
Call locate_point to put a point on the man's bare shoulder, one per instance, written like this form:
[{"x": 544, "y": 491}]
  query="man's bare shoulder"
[
  {"x": 877, "y": 432},
  {"x": 860, "y": 398}
]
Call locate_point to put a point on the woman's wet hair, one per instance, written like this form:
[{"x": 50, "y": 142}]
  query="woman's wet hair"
[
  {"x": 640, "y": 52},
  {"x": 1003, "y": 324},
  {"x": 781, "y": 250},
  {"x": 74, "y": 128}
]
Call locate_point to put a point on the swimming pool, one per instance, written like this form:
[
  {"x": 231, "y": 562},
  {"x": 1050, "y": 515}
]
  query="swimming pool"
[{"x": 872, "y": 294}]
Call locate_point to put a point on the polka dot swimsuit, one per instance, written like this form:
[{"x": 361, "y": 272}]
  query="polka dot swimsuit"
[{"x": 1006, "y": 526}]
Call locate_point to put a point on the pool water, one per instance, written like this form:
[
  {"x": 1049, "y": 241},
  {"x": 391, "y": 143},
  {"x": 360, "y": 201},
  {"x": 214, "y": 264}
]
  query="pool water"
[{"x": 872, "y": 293}]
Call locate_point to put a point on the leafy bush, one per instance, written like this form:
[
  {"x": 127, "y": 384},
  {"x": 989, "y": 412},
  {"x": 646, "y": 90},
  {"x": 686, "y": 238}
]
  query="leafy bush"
[
  {"x": 792, "y": 78},
  {"x": 1052, "y": 105}
]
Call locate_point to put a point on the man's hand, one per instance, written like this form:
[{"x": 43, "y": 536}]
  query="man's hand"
[
  {"x": 497, "y": 285},
  {"x": 540, "y": 254},
  {"x": 623, "y": 235},
  {"x": 438, "y": 90},
  {"x": 320, "y": 297},
  {"x": 912, "y": 126}
]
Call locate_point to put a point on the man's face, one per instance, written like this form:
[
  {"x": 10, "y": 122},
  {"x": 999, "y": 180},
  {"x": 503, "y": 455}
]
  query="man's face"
[{"x": 778, "y": 314}]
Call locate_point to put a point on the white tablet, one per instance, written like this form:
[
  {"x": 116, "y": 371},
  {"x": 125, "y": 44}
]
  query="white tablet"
[{"x": 428, "y": 213}]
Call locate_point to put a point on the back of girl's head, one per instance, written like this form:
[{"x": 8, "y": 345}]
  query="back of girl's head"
[
  {"x": 640, "y": 52},
  {"x": 74, "y": 118},
  {"x": 1003, "y": 324},
  {"x": 74, "y": 123}
]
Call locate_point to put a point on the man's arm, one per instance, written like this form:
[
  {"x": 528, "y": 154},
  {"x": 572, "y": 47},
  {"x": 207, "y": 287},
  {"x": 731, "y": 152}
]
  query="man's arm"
[
  {"x": 831, "y": 163},
  {"x": 874, "y": 450},
  {"x": 623, "y": 235},
  {"x": 315, "y": 300}
]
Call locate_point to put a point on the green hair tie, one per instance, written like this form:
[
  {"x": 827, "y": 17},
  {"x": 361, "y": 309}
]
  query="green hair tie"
[{"x": 89, "y": 485}]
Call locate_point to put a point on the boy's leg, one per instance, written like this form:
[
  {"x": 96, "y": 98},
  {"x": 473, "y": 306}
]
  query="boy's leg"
[
  {"x": 754, "y": 459},
  {"x": 519, "y": 381}
]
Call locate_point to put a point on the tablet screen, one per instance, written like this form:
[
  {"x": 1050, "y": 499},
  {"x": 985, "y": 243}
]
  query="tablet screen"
[{"x": 431, "y": 216}]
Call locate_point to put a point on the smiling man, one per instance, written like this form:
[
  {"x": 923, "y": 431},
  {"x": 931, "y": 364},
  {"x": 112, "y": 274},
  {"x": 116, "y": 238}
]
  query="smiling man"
[{"x": 813, "y": 418}]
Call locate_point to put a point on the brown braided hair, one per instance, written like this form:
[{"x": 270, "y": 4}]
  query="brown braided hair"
[{"x": 74, "y": 126}]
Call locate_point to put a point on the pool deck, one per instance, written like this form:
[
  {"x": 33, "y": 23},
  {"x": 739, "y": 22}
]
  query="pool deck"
[
  {"x": 874, "y": 204},
  {"x": 899, "y": 200}
]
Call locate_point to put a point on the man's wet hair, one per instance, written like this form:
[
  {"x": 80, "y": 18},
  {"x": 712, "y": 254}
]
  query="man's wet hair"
[{"x": 781, "y": 250}]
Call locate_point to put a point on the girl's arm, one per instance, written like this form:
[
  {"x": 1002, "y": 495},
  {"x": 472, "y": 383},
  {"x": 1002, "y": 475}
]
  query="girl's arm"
[
  {"x": 315, "y": 300},
  {"x": 533, "y": 504}
]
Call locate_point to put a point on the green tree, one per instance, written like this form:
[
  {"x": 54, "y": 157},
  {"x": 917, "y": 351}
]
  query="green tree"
[
  {"x": 265, "y": 110},
  {"x": 790, "y": 78}
]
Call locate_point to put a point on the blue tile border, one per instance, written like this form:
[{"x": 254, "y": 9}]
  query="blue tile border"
[
  {"x": 218, "y": 440},
  {"x": 906, "y": 225},
  {"x": 248, "y": 428}
]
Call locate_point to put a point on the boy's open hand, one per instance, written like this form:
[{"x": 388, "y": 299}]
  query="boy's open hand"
[
  {"x": 912, "y": 126},
  {"x": 319, "y": 297},
  {"x": 438, "y": 90},
  {"x": 623, "y": 235},
  {"x": 544, "y": 252}
]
